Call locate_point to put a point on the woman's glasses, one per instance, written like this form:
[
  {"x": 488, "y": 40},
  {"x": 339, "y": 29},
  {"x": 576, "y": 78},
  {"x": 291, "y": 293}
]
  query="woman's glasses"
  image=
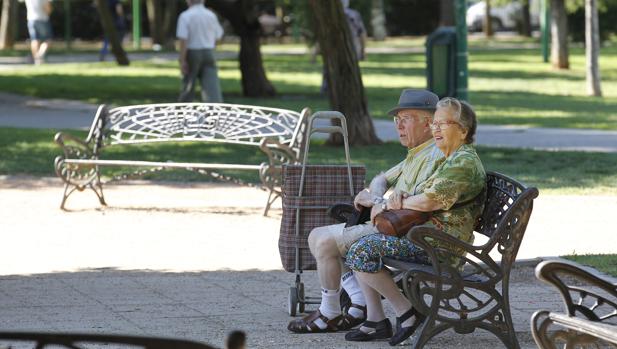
[{"x": 442, "y": 125}]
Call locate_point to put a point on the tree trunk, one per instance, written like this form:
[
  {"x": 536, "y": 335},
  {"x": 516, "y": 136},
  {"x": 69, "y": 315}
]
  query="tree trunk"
[
  {"x": 254, "y": 80},
  {"x": 487, "y": 23},
  {"x": 592, "y": 48},
  {"x": 243, "y": 18},
  {"x": 526, "y": 20},
  {"x": 345, "y": 89},
  {"x": 446, "y": 13},
  {"x": 110, "y": 32},
  {"x": 559, "y": 35},
  {"x": 169, "y": 24},
  {"x": 378, "y": 20},
  {"x": 154, "y": 8},
  {"x": 7, "y": 21}
]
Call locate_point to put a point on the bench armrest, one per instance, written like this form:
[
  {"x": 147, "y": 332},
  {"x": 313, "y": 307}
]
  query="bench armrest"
[
  {"x": 481, "y": 265},
  {"x": 597, "y": 297},
  {"x": 278, "y": 154},
  {"x": 72, "y": 146}
]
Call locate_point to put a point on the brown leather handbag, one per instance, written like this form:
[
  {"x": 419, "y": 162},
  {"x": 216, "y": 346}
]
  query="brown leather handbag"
[{"x": 398, "y": 222}]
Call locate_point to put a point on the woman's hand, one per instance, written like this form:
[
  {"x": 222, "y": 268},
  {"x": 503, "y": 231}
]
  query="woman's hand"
[{"x": 395, "y": 201}]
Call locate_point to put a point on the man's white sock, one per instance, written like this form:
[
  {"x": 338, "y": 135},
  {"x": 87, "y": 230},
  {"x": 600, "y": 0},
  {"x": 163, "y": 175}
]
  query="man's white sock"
[
  {"x": 330, "y": 306},
  {"x": 351, "y": 286}
]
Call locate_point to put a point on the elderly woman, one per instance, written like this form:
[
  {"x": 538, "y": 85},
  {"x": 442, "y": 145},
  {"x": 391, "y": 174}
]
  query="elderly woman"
[{"x": 459, "y": 179}]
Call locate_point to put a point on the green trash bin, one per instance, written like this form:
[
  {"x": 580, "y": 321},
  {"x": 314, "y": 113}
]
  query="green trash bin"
[{"x": 441, "y": 62}]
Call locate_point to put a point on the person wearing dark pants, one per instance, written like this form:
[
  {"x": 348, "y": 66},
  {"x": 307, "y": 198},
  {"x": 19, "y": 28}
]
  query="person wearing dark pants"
[
  {"x": 117, "y": 15},
  {"x": 198, "y": 30}
]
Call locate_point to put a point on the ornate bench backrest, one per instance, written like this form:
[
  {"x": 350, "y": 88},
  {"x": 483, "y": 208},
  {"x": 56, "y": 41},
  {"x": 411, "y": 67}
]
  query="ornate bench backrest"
[
  {"x": 506, "y": 213},
  {"x": 228, "y": 123}
]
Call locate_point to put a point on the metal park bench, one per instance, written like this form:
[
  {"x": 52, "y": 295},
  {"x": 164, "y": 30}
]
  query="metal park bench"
[
  {"x": 590, "y": 320},
  {"x": 473, "y": 293},
  {"x": 279, "y": 133}
]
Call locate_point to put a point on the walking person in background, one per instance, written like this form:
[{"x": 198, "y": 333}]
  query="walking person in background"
[
  {"x": 117, "y": 15},
  {"x": 357, "y": 29},
  {"x": 198, "y": 30},
  {"x": 39, "y": 28}
]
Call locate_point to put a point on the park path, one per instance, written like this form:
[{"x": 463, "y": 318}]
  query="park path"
[{"x": 193, "y": 260}]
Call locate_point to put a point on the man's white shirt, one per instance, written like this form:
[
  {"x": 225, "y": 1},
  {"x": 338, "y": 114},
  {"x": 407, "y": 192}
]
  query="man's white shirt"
[
  {"x": 36, "y": 10},
  {"x": 199, "y": 27}
]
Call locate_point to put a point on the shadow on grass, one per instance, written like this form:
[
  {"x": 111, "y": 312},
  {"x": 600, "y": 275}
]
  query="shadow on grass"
[{"x": 545, "y": 110}]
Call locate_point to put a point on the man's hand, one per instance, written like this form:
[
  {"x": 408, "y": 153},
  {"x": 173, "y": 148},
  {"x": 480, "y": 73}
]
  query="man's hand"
[
  {"x": 395, "y": 201},
  {"x": 184, "y": 67},
  {"x": 364, "y": 198}
]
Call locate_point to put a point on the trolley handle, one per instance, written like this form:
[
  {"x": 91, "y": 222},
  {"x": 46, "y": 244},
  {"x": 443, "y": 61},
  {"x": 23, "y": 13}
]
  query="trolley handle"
[{"x": 330, "y": 115}]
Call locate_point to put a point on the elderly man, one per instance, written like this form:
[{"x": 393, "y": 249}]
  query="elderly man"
[
  {"x": 412, "y": 118},
  {"x": 198, "y": 30}
]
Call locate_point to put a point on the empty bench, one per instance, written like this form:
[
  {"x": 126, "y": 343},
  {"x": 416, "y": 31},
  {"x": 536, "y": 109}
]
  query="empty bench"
[{"x": 279, "y": 133}]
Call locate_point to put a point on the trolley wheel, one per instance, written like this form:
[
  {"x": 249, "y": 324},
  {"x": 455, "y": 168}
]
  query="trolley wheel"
[
  {"x": 302, "y": 303},
  {"x": 292, "y": 306},
  {"x": 345, "y": 301}
]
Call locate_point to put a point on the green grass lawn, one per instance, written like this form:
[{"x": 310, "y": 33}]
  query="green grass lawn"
[
  {"x": 31, "y": 152},
  {"x": 507, "y": 86},
  {"x": 606, "y": 263}
]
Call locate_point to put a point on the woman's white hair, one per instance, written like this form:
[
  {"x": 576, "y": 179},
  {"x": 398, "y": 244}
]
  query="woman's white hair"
[{"x": 464, "y": 114}]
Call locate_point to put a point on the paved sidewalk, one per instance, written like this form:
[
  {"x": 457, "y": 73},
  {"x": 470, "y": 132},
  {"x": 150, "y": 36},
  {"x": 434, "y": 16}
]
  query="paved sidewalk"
[
  {"x": 27, "y": 112},
  {"x": 199, "y": 260}
]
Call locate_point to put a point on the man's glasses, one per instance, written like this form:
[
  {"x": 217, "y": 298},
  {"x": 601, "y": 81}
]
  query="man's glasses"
[
  {"x": 442, "y": 125},
  {"x": 404, "y": 119}
]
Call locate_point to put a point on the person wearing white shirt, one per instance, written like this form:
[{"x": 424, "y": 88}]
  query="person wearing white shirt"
[
  {"x": 39, "y": 28},
  {"x": 198, "y": 31}
]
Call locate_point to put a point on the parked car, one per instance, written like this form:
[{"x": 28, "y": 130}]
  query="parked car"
[{"x": 502, "y": 17}]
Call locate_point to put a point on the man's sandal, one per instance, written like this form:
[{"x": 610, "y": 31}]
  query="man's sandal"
[
  {"x": 348, "y": 322},
  {"x": 307, "y": 324}
]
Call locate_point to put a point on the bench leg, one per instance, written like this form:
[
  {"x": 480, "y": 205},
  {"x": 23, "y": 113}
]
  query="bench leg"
[
  {"x": 271, "y": 198},
  {"x": 427, "y": 330},
  {"x": 98, "y": 190},
  {"x": 502, "y": 327},
  {"x": 66, "y": 193}
]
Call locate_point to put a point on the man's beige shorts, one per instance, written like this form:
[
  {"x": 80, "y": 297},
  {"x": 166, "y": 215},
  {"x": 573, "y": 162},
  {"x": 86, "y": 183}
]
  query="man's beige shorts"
[{"x": 345, "y": 237}]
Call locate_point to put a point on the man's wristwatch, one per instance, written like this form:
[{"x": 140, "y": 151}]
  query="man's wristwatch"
[{"x": 384, "y": 205}]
